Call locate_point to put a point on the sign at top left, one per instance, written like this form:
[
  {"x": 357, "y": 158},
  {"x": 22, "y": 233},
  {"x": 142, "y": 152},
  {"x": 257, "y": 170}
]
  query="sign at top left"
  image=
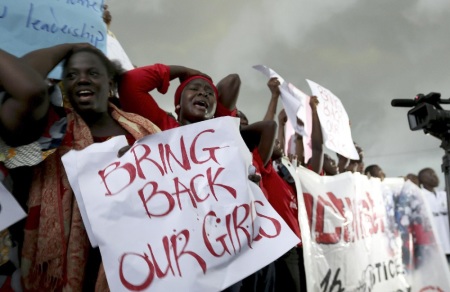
[{"x": 28, "y": 25}]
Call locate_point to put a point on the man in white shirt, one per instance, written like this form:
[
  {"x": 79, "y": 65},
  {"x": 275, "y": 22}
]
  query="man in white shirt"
[{"x": 437, "y": 200}]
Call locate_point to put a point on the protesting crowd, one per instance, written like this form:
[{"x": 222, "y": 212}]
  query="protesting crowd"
[{"x": 44, "y": 118}]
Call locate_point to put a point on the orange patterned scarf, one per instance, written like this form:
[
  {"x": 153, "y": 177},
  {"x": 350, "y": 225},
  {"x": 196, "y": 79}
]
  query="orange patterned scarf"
[{"x": 55, "y": 247}]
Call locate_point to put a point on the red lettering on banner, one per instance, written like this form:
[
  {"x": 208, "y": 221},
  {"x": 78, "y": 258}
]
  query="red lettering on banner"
[
  {"x": 161, "y": 195},
  {"x": 238, "y": 226},
  {"x": 151, "y": 192},
  {"x": 221, "y": 238},
  {"x": 145, "y": 161},
  {"x": 128, "y": 167},
  {"x": 212, "y": 183},
  {"x": 144, "y": 157},
  {"x": 178, "y": 253},
  {"x": 178, "y": 192},
  {"x": 194, "y": 191},
  {"x": 377, "y": 219},
  {"x": 359, "y": 219},
  {"x": 174, "y": 249},
  {"x": 185, "y": 164},
  {"x": 135, "y": 286},
  {"x": 212, "y": 150},
  {"x": 261, "y": 232},
  {"x": 321, "y": 236},
  {"x": 240, "y": 229},
  {"x": 351, "y": 231},
  {"x": 159, "y": 273},
  {"x": 309, "y": 203}
]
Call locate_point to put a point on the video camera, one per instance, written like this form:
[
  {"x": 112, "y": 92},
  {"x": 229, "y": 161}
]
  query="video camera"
[{"x": 427, "y": 114}]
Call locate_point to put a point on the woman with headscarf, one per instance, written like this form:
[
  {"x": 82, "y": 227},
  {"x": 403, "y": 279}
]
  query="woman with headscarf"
[{"x": 56, "y": 252}]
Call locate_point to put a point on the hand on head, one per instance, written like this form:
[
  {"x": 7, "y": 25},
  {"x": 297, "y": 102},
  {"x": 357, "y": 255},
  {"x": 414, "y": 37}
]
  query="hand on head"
[{"x": 189, "y": 72}]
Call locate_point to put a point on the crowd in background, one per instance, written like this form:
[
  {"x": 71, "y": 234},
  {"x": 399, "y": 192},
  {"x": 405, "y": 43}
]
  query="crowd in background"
[{"x": 100, "y": 101}]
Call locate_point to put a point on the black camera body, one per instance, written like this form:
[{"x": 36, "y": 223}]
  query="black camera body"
[{"x": 427, "y": 114}]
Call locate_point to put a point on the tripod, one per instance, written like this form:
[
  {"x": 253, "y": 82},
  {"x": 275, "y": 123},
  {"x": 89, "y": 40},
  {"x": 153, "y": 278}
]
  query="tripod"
[{"x": 446, "y": 170}]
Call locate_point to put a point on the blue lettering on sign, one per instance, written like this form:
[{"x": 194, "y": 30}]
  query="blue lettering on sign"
[
  {"x": 87, "y": 3},
  {"x": 83, "y": 32},
  {"x": 3, "y": 12}
]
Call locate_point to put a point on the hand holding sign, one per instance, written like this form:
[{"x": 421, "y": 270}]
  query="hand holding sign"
[
  {"x": 334, "y": 121},
  {"x": 177, "y": 211},
  {"x": 293, "y": 99}
]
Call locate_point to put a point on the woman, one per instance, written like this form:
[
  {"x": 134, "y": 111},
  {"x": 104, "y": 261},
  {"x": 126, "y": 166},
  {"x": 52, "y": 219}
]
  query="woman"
[
  {"x": 56, "y": 249},
  {"x": 196, "y": 98}
]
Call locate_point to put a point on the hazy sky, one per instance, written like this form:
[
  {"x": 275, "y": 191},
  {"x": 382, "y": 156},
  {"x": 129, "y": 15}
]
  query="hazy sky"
[{"x": 366, "y": 52}]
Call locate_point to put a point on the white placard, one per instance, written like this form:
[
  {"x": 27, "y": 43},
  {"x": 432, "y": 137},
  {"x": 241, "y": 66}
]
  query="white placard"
[
  {"x": 177, "y": 211},
  {"x": 334, "y": 121},
  {"x": 296, "y": 105}
]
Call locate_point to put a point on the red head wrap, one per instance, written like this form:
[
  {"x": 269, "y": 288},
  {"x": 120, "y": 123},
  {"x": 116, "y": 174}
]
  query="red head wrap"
[{"x": 185, "y": 82}]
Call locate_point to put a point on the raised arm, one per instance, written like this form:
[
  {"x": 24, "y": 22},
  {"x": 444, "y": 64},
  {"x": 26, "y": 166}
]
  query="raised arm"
[
  {"x": 44, "y": 60},
  {"x": 263, "y": 135},
  {"x": 134, "y": 87},
  {"x": 26, "y": 102},
  {"x": 273, "y": 85},
  {"x": 228, "y": 88},
  {"x": 316, "y": 138},
  {"x": 282, "y": 120}
]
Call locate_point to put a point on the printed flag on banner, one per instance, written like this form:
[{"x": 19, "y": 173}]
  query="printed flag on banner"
[
  {"x": 28, "y": 25},
  {"x": 296, "y": 105},
  {"x": 334, "y": 122},
  {"x": 10, "y": 210},
  {"x": 343, "y": 218},
  {"x": 423, "y": 257},
  {"x": 347, "y": 217},
  {"x": 177, "y": 211}
]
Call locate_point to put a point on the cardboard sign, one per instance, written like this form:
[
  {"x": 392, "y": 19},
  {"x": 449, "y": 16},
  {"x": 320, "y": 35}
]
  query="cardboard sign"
[
  {"x": 177, "y": 211},
  {"x": 334, "y": 122},
  {"x": 296, "y": 105},
  {"x": 10, "y": 210},
  {"x": 28, "y": 25},
  {"x": 294, "y": 101}
]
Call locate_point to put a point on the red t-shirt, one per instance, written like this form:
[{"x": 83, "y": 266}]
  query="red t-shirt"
[
  {"x": 134, "y": 95},
  {"x": 281, "y": 195}
]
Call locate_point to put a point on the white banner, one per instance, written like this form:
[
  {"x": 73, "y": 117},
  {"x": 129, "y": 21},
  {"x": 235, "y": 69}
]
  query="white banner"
[
  {"x": 351, "y": 239},
  {"x": 177, "y": 211},
  {"x": 296, "y": 105},
  {"x": 10, "y": 210},
  {"x": 334, "y": 120}
]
